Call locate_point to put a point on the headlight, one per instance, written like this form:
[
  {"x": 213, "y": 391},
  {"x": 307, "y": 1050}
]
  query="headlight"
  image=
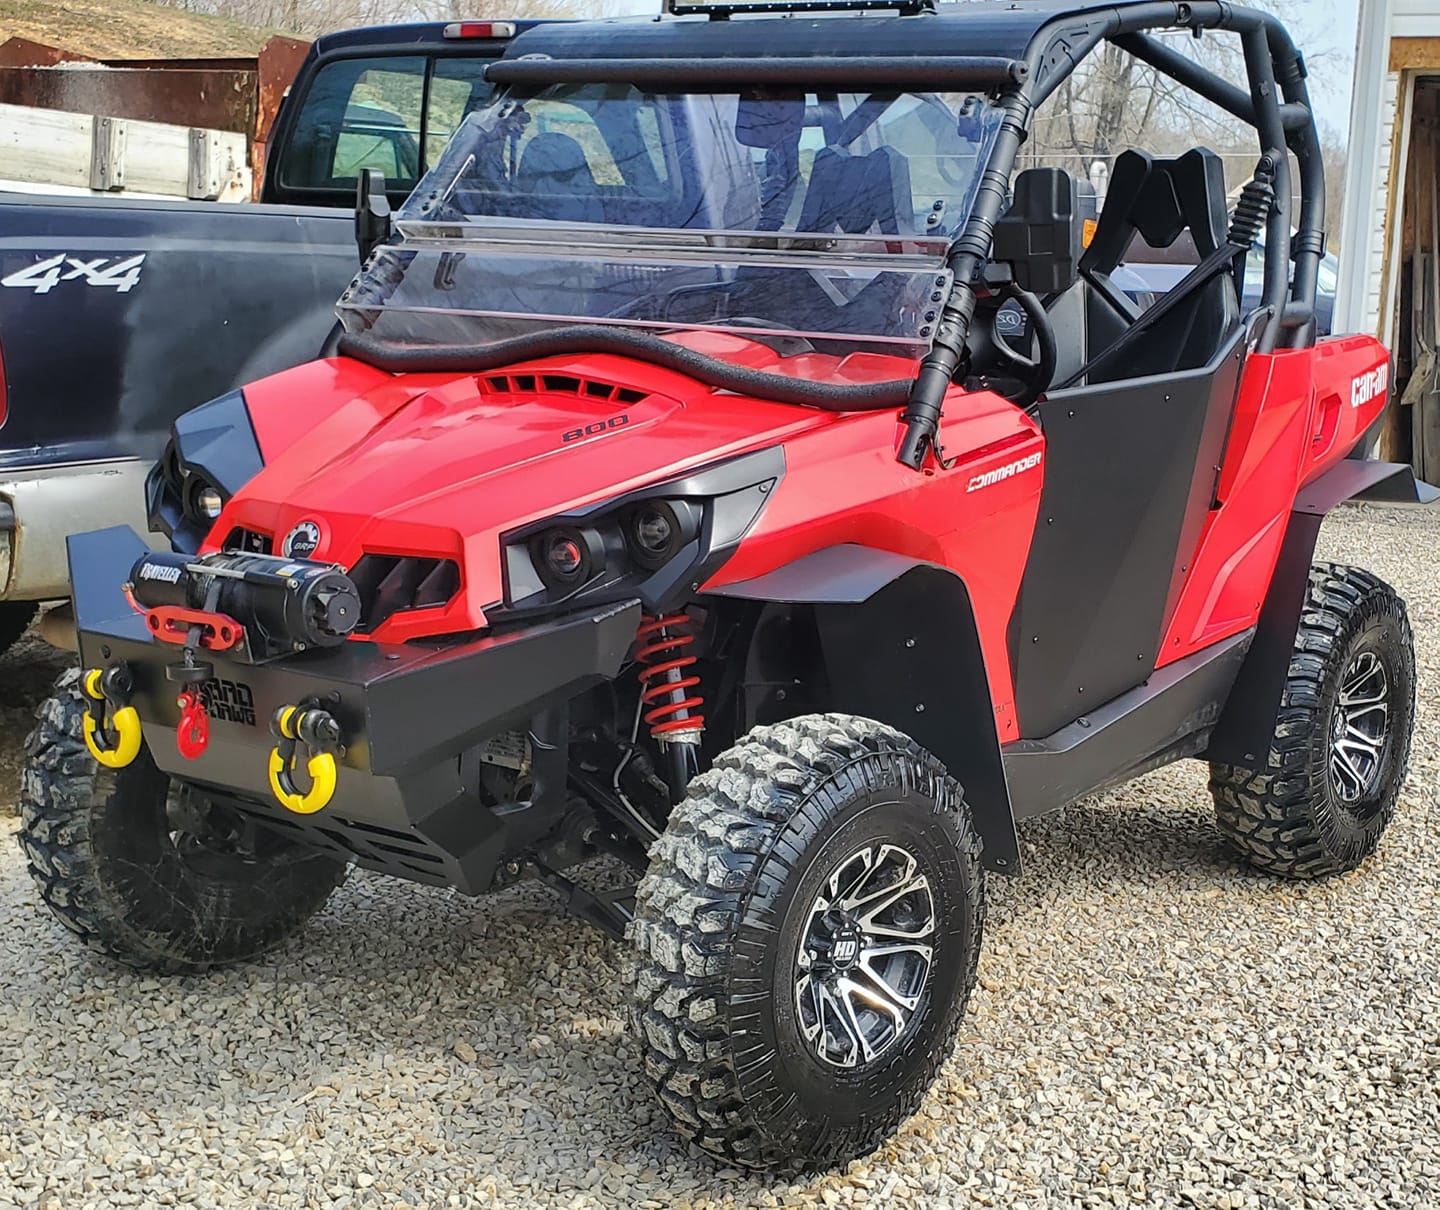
[
  {"x": 564, "y": 557},
  {"x": 567, "y": 558},
  {"x": 210, "y": 502},
  {"x": 205, "y": 500},
  {"x": 211, "y": 455},
  {"x": 657, "y": 544},
  {"x": 657, "y": 530}
]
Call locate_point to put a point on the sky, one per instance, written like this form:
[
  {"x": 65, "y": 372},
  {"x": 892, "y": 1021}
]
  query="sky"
[{"x": 1325, "y": 33}]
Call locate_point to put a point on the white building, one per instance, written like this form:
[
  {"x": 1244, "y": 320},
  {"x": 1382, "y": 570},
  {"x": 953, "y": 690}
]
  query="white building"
[{"x": 1388, "y": 280}]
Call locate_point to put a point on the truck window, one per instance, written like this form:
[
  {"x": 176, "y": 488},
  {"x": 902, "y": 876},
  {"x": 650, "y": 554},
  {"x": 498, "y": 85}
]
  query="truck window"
[
  {"x": 580, "y": 127},
  {"x": 358, "y": 113},
  {"x": 457, "y": 87},
  {"x": 941, "y": 151}
]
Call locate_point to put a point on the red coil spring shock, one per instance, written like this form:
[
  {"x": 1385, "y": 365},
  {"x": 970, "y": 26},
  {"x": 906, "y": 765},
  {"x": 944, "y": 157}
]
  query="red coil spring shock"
[{"x": 671, "y": 710}]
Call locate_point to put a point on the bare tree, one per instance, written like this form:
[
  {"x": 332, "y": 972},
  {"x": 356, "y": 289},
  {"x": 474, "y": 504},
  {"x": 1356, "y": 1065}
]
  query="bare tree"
[
  {"x": 1115, "y": 101},
  {"x": 309, "y": 18},
  {"x": 451, "y": 10}
]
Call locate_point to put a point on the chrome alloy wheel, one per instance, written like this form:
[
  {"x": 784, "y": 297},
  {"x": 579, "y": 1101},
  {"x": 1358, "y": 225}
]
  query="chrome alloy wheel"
[
  {"x": 1359, "y": 727},
  {"x": 864, "y": 956}
]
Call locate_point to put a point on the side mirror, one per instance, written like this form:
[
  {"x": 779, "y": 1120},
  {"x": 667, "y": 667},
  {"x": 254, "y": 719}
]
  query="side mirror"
[
  {"x": 372, "y": 212},
  {"x": 1041, "y": 235}
]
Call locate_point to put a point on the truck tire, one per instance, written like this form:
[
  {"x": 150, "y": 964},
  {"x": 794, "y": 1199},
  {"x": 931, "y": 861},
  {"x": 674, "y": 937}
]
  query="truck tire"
[
  {"x": 110, "y": 852},
  {"x": 15, "y": 619},
  {"x": 1342, "y": 737},
  {"x": 782, "y": 1026}
]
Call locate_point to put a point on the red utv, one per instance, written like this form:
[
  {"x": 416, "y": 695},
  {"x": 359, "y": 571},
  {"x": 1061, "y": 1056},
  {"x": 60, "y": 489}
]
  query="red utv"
[{"x": 673, "y": 496}]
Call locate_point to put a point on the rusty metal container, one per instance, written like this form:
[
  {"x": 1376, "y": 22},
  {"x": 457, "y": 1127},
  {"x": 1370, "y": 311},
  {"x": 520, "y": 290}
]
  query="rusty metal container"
[{"x": 241, "y": 95}]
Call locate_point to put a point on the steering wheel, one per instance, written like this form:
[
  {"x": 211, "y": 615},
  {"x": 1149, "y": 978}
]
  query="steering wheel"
[{"x": 995, "y": 358}]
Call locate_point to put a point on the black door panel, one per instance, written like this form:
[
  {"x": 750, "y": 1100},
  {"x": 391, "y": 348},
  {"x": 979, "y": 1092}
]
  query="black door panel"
[{"x": 1130, "y": 472}]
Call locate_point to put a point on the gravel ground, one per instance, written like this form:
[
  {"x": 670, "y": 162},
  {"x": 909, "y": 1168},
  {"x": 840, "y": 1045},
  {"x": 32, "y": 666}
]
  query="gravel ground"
[{"x": 1155, "y": 1024}]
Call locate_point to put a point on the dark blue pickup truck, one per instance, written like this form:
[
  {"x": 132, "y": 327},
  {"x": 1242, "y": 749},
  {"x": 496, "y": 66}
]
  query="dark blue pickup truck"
[{"x": 116, "y": 314}]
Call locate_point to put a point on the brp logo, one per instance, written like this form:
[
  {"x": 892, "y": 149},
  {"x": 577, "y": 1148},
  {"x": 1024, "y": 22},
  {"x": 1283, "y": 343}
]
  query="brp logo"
[{"x": 302, "y": 541}]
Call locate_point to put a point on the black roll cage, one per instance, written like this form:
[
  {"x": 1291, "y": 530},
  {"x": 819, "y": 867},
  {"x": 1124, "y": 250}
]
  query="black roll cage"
[{"x": 1277, "y": 107}]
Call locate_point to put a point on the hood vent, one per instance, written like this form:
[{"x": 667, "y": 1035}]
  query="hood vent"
[
  {"x": 391, "y": 584},
  {"x": 564, "y": 384}
]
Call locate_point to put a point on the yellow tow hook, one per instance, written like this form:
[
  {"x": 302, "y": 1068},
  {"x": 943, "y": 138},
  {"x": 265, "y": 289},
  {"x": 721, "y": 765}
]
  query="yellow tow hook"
[
  {"x": 320, "y": 733},
  {"x": 116, "y": 742}
]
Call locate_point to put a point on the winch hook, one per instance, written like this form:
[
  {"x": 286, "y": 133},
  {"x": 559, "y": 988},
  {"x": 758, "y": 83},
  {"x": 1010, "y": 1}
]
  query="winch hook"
[
  {"x": 320, "y": 733},
  {"x": 192, "y": 732},
  {"x": 115, "y": 741}
]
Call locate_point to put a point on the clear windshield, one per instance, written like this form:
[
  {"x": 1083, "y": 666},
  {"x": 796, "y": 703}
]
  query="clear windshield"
[{"x": 821, "y": 219}]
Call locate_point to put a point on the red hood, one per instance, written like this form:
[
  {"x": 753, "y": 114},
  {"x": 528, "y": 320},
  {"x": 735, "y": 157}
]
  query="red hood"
[{"x": 442, "y": 464}]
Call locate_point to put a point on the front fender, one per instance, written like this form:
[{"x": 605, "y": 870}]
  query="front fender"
[{"x": 898, "y": 643}]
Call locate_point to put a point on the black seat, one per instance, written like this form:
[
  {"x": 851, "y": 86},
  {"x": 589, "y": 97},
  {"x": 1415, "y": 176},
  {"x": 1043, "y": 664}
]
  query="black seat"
[
  {"x": 853, "y": 193},
  {"x": 1156, "y": 201},
  {"x": 555, "y": 180}
]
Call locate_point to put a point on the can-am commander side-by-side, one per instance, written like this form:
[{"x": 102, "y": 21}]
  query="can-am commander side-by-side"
[{"x": 674, "y": 496}]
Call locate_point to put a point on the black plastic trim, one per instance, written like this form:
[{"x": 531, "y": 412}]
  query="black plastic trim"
[
  {"x": 732, "y": 493},
  {"x": 1242, "y": 736},
  {"x": 900, "y": 645},
  {"x": 1129, "y": 480},
  {"x": 1399, "y": 486},
  {"x": 1166, "y": 718},
  {"x": 878, "y": 71},
  {"x": 216, "y": 442}
]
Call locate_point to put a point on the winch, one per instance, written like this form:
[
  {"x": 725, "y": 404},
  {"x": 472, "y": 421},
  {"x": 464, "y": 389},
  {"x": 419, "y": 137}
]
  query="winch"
[{"x": 254, "y": 607}]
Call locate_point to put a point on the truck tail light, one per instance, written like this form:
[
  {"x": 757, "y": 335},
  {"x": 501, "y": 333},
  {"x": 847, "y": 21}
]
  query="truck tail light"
[{"x": 480, "y": 29}]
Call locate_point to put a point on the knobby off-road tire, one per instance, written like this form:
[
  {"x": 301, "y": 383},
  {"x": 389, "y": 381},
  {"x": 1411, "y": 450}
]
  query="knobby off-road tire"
[
  {"x": 15, "y": 619},
  {"x": 116, "y": 867},
  {"x": 1322, "y": 800},
  {"x": 735, "y": 961}
]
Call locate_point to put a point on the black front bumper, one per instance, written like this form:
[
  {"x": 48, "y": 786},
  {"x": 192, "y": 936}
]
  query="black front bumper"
[{"x": 406, "y": 713}]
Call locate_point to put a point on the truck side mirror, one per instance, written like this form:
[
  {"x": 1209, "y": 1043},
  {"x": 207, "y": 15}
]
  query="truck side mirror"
[{"x": 372, "y": 212}]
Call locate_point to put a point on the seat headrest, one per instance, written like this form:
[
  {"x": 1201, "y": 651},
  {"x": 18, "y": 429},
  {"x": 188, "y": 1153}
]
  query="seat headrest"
[
  {"x": 853, "y": 193},
  {"x": 1160, "y": 199},
  {"x": 557, "y": 158}
]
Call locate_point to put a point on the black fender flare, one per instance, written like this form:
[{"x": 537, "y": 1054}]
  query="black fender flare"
[
  {"x": 1243, "y": 733},
  {"x": 898, "y": 643}
]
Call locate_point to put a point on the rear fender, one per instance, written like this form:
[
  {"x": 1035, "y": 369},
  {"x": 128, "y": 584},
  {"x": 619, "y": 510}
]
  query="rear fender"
[
  {"x": 894, "y": 639},
  {"x": 1247, "y": 724}
]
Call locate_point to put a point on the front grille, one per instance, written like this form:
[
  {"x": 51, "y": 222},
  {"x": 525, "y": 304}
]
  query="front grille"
[
  {"x": 248, "y": 541},
  {"x": 391, "y": 584}
]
